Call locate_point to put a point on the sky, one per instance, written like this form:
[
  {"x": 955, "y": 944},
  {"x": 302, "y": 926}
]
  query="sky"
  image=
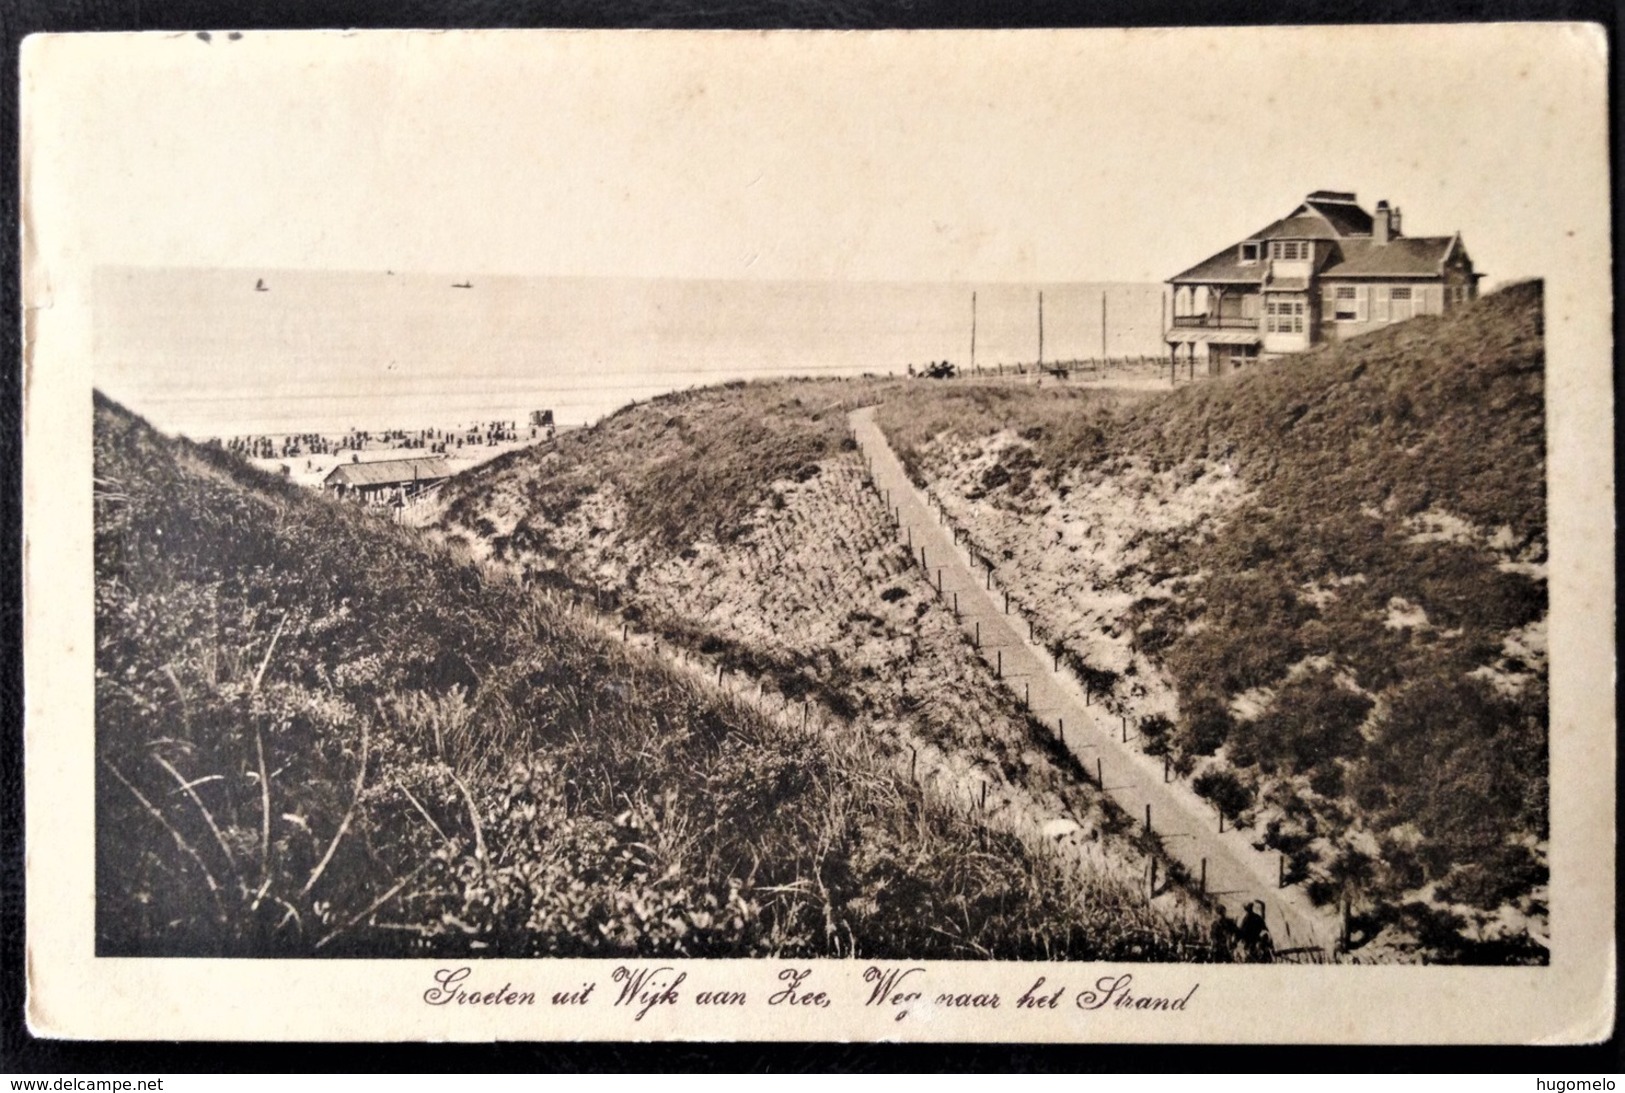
[{"x": 966, "y": 157}]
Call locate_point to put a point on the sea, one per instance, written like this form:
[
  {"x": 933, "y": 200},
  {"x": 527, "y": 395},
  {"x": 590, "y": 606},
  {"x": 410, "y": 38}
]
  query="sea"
[{"x": 209, "y": 353}]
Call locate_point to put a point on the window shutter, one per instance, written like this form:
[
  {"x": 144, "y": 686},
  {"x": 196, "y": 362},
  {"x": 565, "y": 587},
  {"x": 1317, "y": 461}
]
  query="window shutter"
[
  {"x": 1379, "y": 303},
  {"x": 1362, "y": 296}
]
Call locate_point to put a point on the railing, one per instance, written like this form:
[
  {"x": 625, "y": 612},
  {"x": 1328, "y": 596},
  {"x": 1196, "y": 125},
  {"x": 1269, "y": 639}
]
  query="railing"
[{"x": 1216, "y": 322}]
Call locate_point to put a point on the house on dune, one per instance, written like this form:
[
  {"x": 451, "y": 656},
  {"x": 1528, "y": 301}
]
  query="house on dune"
[{"x": 1326, "y": 271}]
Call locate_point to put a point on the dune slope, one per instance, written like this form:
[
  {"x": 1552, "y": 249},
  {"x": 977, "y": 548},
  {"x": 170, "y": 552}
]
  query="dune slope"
[
  {"x": 1323, "y": 582},
  {"x": 319, "y": 734}
]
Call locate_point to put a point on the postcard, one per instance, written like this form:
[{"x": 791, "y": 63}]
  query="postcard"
[{"x": 1033, "y": 536}]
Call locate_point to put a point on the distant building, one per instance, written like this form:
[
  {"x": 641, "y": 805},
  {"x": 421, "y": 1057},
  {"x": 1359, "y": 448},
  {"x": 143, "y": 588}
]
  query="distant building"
[
  {"x": 386, "y": 480},
  {"x": 1326, "y": 271}
]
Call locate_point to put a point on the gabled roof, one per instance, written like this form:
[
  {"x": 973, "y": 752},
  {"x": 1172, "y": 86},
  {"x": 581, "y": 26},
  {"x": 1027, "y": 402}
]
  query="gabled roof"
[
  {"x": 1299, "y": 226},
  {"x": 1347, "y": 217},
  {"x": 1325, "y": 214},
  {"x": 1332, "y": 215},
  {"x": 1226, "y": 267},
  {"x": 387, "y": 472},
  {"x": 1407, "y": 256}
]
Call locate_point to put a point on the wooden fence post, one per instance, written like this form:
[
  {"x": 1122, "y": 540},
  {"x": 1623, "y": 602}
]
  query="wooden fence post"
[
  {"x": 1202, "y": 887},
  {"x": 1125, "y": 728},
  {"x": 978, "y": 633},
  {"x": 1007, "y": 603},
  {"x": 1148, "y": 817},
  {"x": 1100, "y": 773},
  {"x": 1280, "y": 881},
  {"x": 1027, "y": 695},
  {"x": 1000, "y": 669},
  {"x": 1165, "y": 764},
  {"x": 1060, "y": 723},
  {"x": 805, "y": 705},
  {"x": 913, "y": 763},
  {"x": 984, "y": 796},
  {"x": 719, "y": 673}
]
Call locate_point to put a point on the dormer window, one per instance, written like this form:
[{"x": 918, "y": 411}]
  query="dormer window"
[
  {"x": 1289, "y": 250},
  {"x": 1249, "y": 252}
]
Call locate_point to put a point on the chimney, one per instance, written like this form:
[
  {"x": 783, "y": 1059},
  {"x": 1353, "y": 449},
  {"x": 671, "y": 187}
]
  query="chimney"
[{"x": 1381, "y": 224}]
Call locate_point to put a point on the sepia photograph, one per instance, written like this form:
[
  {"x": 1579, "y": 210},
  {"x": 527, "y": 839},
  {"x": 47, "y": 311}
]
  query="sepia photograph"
[{"x": 1088, "y": 505}]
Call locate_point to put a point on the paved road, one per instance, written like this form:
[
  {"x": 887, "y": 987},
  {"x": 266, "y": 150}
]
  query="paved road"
[{"x": 1187, "y": 826}]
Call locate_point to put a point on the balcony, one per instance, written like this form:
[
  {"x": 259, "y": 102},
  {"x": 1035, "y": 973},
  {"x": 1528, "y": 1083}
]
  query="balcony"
[{"x": 1215, "y": 322}]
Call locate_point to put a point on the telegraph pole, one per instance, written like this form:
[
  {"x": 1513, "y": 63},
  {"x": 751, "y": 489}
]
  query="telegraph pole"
[
  {"x": 1040, "y": 330},
  {"x": 973, "y": 332}
]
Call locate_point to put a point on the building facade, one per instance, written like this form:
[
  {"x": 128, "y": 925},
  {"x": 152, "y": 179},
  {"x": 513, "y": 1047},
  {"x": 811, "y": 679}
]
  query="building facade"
[
  {"x": 1326, "y": 271},
  {"x": 386, "y": 481}
]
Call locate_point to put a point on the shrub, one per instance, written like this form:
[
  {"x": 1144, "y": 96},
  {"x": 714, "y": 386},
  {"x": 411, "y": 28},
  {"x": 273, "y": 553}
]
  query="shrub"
[
  {"x": 1229, "y": 794},
  {"x": 1312, "y": 722},
  {"x": 1156, "y": 729},
  {"x": 1204, "y": 725}
]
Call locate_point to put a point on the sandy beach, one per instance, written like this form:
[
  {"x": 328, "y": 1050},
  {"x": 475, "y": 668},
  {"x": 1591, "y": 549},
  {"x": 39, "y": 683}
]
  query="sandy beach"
[{"x": 308, "y": 468}]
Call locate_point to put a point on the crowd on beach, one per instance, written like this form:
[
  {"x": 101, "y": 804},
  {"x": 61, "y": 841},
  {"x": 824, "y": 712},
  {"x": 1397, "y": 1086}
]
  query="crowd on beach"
[{"x": 435, "y": 441}]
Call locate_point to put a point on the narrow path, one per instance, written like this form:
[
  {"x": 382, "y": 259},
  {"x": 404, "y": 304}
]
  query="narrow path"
[{"x": 1186, "y": 825}]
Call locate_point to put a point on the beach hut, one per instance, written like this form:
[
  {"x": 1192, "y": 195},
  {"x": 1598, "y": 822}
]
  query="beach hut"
[{"x": 386, "y": 480}]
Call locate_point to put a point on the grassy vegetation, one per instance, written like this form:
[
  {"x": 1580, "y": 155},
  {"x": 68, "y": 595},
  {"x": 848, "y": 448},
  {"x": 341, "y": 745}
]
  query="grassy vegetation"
[
  {"x": 810, "y": 595},
  {"x": 690, "y": 465},
  {"x": 1350, "y": 642},
  {"x": 1061, "y": 426},
  {"x": 318, "y": 735}
]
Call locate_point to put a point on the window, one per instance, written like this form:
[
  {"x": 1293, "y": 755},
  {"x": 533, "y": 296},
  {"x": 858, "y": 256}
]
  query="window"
[
  {"x": 1289, "y": 250},
  {"x": 1346, "y": 304},
  {"x": 1249, "y": 252},
  {"x": 1284, "y": 316},
  {"x": 1403, "y": 307}
]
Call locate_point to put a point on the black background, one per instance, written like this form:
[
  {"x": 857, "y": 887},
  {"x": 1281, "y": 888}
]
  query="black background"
[{"x": 21, "y": 1053}]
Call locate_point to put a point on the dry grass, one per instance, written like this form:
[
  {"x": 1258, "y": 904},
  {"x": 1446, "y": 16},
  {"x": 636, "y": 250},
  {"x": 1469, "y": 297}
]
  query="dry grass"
[
  {"x": 809, "y": 596},
  {"x": 1354, "y": 630},
  {"x": 319, "y": 735}
]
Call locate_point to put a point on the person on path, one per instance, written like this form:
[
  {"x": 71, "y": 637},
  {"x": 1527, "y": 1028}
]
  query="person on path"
[
  {"x": 1223, "y": 935},
  {"x": 1255, "y": 933}
]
